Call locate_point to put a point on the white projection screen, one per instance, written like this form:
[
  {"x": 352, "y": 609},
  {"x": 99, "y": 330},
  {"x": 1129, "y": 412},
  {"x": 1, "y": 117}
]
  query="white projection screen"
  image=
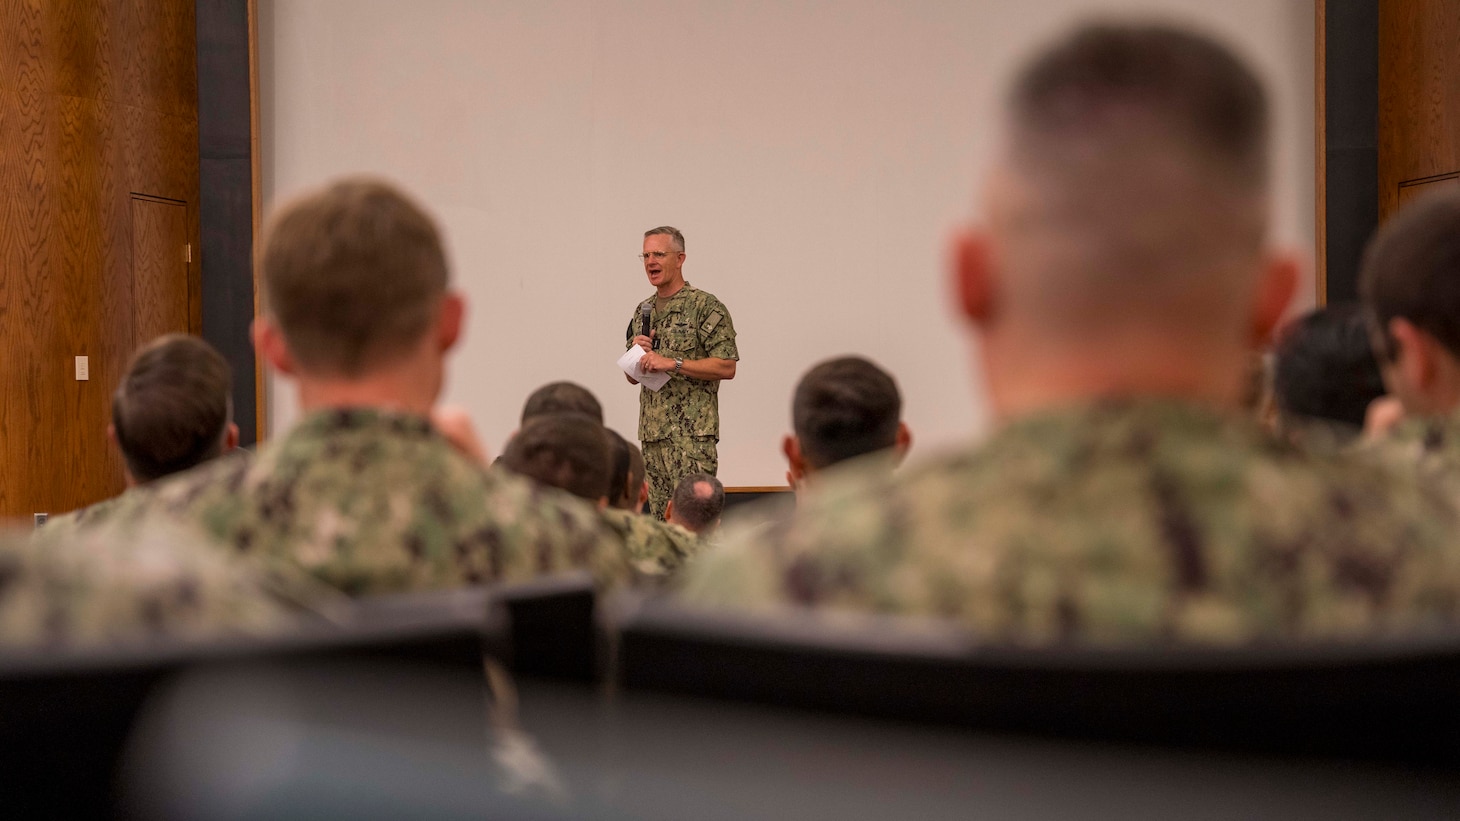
[{"x": 817, "y": 156}]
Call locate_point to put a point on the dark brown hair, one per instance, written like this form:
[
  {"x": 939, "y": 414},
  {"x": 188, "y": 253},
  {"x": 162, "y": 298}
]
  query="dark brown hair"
[
  {"x": 694, "y": 511},
  {"x": 568, "y": 451},
  {"x": 172, "y": 408},
  {"x": 845, "y": 408},
  {"x": 1411, "y": 270}
]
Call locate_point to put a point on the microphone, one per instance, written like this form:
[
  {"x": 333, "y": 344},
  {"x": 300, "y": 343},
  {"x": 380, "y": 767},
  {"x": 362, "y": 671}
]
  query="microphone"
[{"x": 644, "y": 320}]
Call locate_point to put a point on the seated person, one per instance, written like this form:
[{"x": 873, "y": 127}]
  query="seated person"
[
  {"x": 364, "y": 492},
  {"x": 696, "y": 504},
  {"x": 171, "y": 412},
  {"x": 571, "y": 452},
  {"x": 1123, "y": 497},
  {"x": 1325, "y": 376},
  {"x": 1410, "y": 285},
  {"x": 629, "y": 489},
  {"x": 567, "y": 451},
  {"x": 844, "y": 409}
]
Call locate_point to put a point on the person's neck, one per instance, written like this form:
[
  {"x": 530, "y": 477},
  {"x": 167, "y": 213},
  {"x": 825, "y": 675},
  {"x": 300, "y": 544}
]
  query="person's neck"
[
  {"x": 1035, "y": 382},
  {"x": 402, "y": 388},
  {"x": 669, "y": 289}
]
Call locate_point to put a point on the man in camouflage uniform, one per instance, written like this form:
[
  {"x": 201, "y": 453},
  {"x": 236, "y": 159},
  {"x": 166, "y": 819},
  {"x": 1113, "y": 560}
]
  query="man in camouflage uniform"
[
  {"x": 1123, "y": 498},
  {"x": 365, "y": 492},
  {"x": 692, "y": 339},
  {"x": 171, "y": 412},
  {"x": 1410, "y": 286}
]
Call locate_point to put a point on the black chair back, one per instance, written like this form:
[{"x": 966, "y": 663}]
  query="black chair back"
[{"x": 1386, "y": 699}]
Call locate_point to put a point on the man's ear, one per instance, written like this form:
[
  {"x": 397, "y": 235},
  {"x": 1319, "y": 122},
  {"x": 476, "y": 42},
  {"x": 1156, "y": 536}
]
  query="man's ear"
[
  {"x": 643, "y": 496},
  {"x": 1414, "y": 359},
  {"x": 972, "y": 271},
  {"x": 1275, "y": 287},
  {"x": 268, "y": 340},
  {"x": 791, "y": 447},
  {"x": 230, "y": 438},
  {"x": 903, "y": 443},
  {"x": 669, "y": 511},
  {"x": 453, "y": 314}
]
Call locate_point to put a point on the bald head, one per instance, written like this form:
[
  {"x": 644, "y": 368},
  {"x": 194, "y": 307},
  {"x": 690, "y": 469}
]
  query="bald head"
[
  {"x": 1134, "y": 183},
  {"x": 697, "y": 503}
]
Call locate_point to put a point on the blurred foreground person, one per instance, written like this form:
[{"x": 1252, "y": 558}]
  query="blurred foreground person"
[
  {"x": 364, "y": 492},
  {"x": 90, "y": 587},
  {"x": 171, "y": 412},
  {"x": 1410, "y": 285},
  {"x": 844, "y": 409},
  {"x": 1117, "y": 294},
  {"x": 1325, "y": 377}
]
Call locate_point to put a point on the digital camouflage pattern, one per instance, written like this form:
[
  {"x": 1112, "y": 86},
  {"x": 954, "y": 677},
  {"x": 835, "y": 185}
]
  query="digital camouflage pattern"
[
  {"x": 655, "y": 548},
  {"x": 1431, "y": 444},
  {"x": 685, "y": 412},
  {"x": 376, "y": 502},
  {"x": 1133, "y": 521},
  {"x": 86, "y": 586},
  {"x": 101, "y": 514},
  {"x": 669, "y": 460}
]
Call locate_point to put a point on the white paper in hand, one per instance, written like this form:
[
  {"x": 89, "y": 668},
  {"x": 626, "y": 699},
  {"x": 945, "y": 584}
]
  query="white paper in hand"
[{"x": 629, "y": 363}]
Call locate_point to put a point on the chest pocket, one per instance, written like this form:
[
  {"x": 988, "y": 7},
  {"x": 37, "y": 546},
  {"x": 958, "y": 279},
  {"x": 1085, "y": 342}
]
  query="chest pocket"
[{"x": 678, "y": 334}]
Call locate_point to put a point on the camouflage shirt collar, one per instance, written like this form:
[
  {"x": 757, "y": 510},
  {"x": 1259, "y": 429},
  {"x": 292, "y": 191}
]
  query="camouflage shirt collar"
[
  {"x": 682, "y": 292},
  {"x": 1138, "y": 416},
  {"x": 339, "y": 420}
]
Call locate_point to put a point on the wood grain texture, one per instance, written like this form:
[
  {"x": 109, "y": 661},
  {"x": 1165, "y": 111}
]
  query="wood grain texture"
[
  {"x": 261, "y": 406},
  {"x": 159, "y": 268},
  {"x": 1419, "y": 95},
  {"x": 1320, "y": 151},
  {"x": 97, "y": 103}
]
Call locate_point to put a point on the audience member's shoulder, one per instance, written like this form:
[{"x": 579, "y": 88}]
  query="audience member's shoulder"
[
  {"x": 159, "y": 578},
  {"x": 654, "y": 549}
]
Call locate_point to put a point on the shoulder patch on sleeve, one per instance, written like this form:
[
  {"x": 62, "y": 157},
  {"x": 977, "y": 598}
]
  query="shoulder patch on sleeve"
[{"x": 711, "y": 322}]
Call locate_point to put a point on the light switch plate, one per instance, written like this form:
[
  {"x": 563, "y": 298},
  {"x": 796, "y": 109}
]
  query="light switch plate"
[{"x": 83, "y": 368}]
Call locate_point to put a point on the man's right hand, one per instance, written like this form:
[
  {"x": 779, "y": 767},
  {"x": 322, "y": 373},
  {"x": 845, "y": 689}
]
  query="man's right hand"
[{"x": 646, "y": 342}]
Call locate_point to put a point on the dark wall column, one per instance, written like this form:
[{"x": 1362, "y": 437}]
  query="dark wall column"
[
  {"x": 1351, "y": 129},
  {"x": 226, "y": 203}
]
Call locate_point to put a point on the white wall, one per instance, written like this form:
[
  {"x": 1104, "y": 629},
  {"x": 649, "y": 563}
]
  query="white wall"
[{"x": 815, "y": 154}]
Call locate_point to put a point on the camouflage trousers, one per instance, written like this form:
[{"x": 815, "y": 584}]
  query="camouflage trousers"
[{"x": 666, "y": 461}]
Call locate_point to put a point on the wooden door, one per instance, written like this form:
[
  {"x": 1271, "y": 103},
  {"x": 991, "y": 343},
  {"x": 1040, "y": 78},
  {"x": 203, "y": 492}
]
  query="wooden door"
[
  {"x": 1419, "y": 99},
  {"x": 160, "y": 261}
]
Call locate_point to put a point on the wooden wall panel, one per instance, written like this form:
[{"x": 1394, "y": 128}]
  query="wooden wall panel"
[
  {"x": 159, "y": 269},
  {"x": 97, "y": 104},
  {"x": 1419, "y": 95}
]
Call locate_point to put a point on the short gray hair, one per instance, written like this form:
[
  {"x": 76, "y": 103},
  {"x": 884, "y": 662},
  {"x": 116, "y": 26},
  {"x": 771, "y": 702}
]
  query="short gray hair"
[{"x": 669, "y": 231}]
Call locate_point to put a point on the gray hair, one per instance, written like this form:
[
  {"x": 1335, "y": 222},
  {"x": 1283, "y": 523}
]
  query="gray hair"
[{"x": 669, "y": 231}]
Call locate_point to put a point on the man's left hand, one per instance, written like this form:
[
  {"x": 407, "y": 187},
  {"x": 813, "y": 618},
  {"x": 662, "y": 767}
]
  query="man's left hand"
[{"x": 654, "y": 363}]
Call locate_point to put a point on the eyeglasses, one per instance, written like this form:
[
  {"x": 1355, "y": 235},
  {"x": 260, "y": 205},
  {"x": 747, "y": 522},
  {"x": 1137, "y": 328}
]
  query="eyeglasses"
[{"x": 657, "y": 256}]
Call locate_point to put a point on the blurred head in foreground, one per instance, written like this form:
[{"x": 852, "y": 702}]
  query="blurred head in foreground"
[
  {"x": 1125, "y": 251},
  {"x": 356, "y": 305},
  {"x": 172, "y": 410},
  {"x": 843, "y": 408}
]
